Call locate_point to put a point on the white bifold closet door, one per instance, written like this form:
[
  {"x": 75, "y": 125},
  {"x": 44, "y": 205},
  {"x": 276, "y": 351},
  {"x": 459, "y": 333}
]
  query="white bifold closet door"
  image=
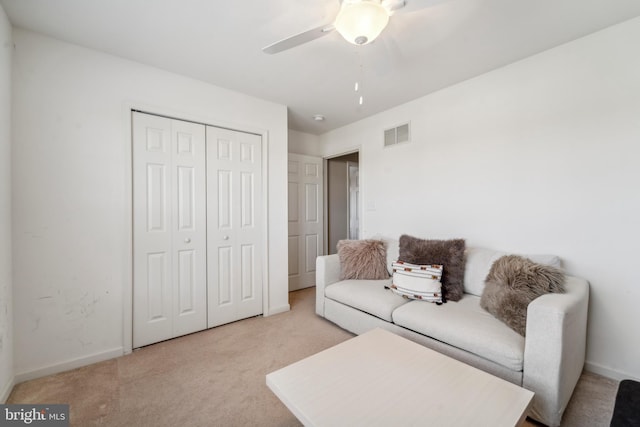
[
  {"x": 234, "y": 225},
  {"x": 169, "y": 228}
]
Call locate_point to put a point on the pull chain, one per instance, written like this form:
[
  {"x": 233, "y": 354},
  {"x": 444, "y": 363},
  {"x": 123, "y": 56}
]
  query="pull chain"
[{"x": 358, "y": 87}]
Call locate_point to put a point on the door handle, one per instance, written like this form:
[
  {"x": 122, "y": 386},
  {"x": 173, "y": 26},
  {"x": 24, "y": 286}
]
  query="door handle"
[
  {"x": 225, "y": 238},
  {"x": 187, "y": 240}
]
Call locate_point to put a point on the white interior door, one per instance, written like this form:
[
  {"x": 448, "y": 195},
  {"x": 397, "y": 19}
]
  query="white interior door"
[
  {"x": 305, "y": 219},
  {"x": 234, "y": 225},
  {"x": 169, "y": 284}
]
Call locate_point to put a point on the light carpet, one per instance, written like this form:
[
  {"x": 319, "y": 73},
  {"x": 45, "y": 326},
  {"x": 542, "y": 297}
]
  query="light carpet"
[{"x": 217, "y": 377}]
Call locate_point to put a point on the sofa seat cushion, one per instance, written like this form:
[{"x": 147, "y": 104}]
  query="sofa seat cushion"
[
  {"x": 369, "y": 296},
  {"x": 465, "y": 325}
]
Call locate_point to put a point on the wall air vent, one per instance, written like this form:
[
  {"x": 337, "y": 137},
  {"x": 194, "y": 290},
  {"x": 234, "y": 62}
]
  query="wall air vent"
[{"x": 397, "y": 135}]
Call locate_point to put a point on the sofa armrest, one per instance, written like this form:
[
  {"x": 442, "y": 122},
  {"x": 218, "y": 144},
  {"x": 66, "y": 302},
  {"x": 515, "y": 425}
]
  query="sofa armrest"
[
  {"x": 555, "y": 347},
  {"x": 327, "y": 272}
]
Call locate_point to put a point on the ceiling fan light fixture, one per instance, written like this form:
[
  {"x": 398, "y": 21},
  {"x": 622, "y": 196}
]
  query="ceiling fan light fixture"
[{"x": 360, "y": 22}]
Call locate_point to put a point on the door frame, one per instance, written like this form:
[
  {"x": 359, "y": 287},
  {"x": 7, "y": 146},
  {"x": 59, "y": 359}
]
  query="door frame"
[{"x": 188, "y": 116}]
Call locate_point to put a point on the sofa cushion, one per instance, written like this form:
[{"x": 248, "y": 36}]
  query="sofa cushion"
[
  {"x": 480, "y": 260},
  {"x": 369, "y": 296},
  {"x": 465, "y": 325},
  {"x": 393, "y": 253}
]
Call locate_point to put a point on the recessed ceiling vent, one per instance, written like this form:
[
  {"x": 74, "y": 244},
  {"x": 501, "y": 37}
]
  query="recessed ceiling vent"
[{"x": 397, "y": 135}]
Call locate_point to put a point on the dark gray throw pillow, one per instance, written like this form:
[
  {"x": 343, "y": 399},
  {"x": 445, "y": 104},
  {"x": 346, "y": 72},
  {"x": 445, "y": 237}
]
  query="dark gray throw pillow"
[
  {"x": 512, "y": 283},
  {"x": 448, "y": 253}
]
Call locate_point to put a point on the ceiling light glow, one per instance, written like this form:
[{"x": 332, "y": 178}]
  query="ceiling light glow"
[{"x": 361, "y": 21}]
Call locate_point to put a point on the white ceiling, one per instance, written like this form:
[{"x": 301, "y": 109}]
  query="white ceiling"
[{"x": 220, "y": 42}]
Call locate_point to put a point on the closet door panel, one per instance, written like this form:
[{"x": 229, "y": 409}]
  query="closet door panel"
[
  {"x": 247, "y": 268},
  {"x": 189, "y": 228},
  {"x": 156, "y": 308},
  {"x": 234, "y": 198},
  {"x": 169, "y": 228},
  {"x": 187, "y": 292},
  {"x": 224, "y": 200},
  {"x": 225, "y": 276},
  {"x": 152, "y": 310}
]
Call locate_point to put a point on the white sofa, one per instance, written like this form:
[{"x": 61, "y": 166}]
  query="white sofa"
[{"x": 548, "y": 361}]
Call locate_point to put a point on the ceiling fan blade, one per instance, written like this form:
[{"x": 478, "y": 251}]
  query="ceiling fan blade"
[
  {"x": 299, "y": 39},
  {"x": 393, "y": 5}
]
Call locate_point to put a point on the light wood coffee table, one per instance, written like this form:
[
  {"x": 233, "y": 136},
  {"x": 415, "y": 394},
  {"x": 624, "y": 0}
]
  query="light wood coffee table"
[{"x": 381, "y": 379}]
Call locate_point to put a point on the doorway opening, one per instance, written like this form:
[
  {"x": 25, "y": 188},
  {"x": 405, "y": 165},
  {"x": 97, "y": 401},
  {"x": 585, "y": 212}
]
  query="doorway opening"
[{"x": 342, "y": 200}]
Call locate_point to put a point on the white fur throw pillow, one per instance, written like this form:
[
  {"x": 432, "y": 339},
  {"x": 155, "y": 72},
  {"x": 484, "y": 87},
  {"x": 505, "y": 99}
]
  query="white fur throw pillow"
[
  {"x": 362, "y": 259},
  {"x": 512, "y": 283}
]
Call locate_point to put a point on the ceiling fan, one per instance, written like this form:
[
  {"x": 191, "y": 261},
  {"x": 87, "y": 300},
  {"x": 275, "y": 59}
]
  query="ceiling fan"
[{"x": 358, "y": 21}]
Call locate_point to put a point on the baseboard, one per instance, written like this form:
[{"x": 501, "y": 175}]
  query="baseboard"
[
  {"x": 68, "y": 365},
  {"x": 7, "y": 390},
  {"x": 278, "y": 310},
  {"x": 608, "y": 372}
]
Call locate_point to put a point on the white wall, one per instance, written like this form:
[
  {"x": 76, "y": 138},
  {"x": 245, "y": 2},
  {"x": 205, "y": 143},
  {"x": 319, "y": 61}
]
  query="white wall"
[
  {"x": 538, "y": 156},
  {"x": 304, "y": 143},
  {"x": 72, "y": 193},
  {"x": 6, "y": 314}
]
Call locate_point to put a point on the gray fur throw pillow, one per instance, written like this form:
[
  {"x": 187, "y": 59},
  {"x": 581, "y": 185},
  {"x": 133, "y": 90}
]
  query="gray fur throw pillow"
[
  {"x": 362, "y": 259},
  {"x": 448, "y": 253},
  {"x": 512, "y": 283}
]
